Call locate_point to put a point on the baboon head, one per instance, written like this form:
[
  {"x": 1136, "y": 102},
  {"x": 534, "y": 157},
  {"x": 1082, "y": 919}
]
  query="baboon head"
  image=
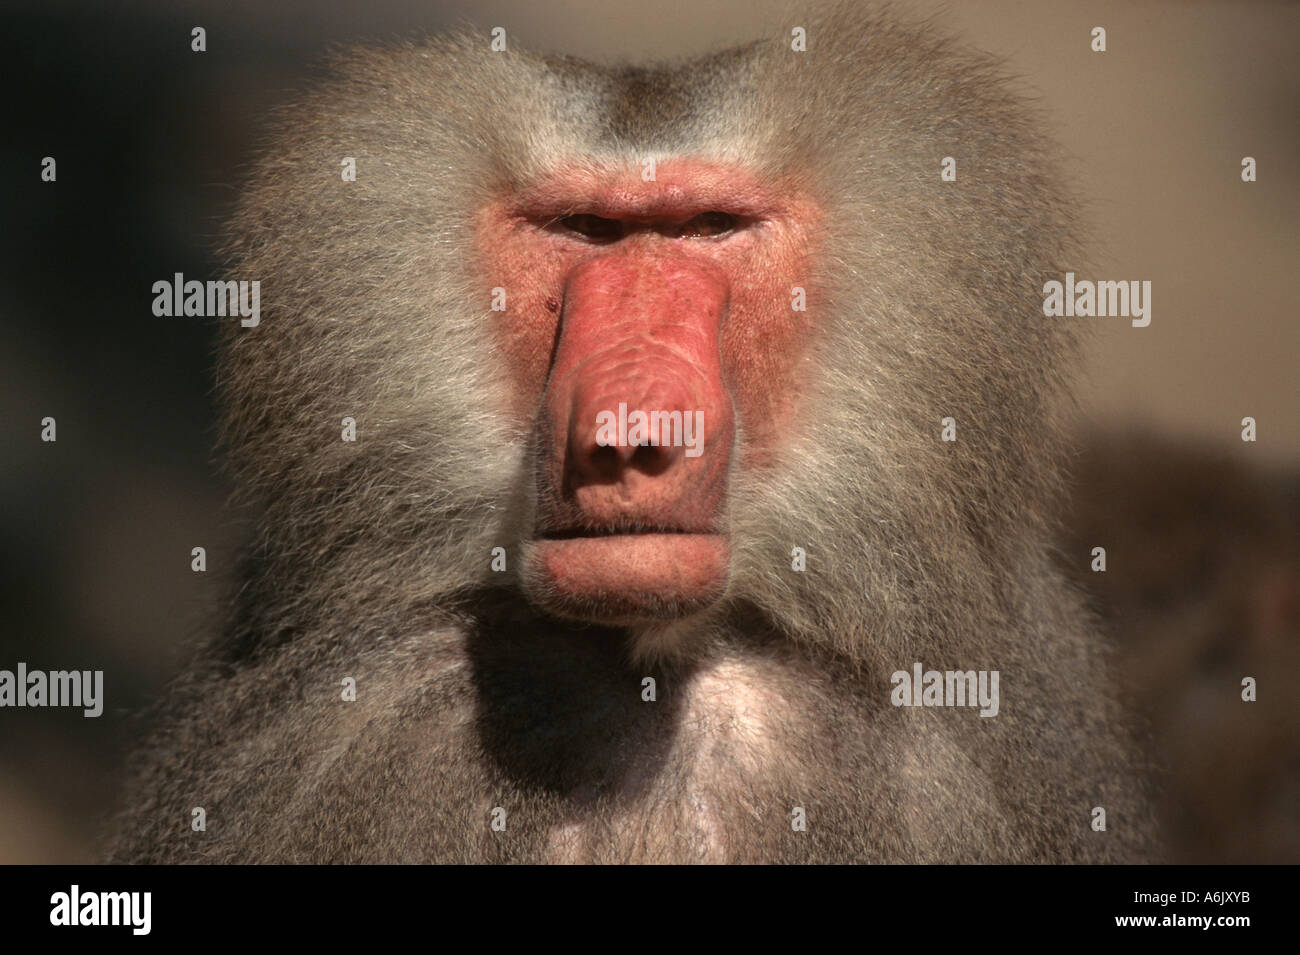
[{"x": 671, "y": 343}]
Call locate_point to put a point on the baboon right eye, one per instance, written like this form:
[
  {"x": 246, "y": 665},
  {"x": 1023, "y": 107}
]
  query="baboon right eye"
[{"x": 596, "y": 228}]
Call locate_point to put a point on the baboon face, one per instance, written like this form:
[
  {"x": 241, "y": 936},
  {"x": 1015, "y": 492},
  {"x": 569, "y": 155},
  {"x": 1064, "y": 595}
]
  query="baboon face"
[
  {"x": 649, "y": 316},
  {"x": 677, "y": 342}
]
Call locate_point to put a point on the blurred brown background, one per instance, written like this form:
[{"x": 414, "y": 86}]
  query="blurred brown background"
[{"x": 1203, "y": 584}]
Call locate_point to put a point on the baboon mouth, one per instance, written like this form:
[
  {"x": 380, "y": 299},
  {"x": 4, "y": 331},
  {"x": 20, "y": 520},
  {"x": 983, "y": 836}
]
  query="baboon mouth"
[
  {"x": 579, "y": 533},
  {"x": 631, "y": 575}
]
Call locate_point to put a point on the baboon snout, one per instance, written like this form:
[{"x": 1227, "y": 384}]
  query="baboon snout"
[{"x": 637, "y": 427}]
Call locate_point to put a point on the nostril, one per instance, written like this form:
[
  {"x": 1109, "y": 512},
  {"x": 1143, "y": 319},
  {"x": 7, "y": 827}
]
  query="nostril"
[
  {"x": 604, "y": 458},
  {"x": 603, "y": 462},
  {"x": 651, "y": 460}
]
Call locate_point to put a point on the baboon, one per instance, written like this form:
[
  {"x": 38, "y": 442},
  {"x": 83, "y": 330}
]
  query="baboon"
[{"x": 494, "y": 626}]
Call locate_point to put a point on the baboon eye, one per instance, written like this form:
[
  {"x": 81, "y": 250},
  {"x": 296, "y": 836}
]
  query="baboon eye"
[
  {"x": 708, "y": 224},
  {"x": 597, "y": 228}
]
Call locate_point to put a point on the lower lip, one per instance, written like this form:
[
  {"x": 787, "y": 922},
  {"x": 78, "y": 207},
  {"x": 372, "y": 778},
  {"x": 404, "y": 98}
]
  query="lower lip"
[{"x": 634, "y": 575}]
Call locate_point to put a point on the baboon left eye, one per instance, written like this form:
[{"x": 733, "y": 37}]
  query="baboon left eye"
[
  {"x": 596, "y": 228},
  {"x": 708, "y": 224}
]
